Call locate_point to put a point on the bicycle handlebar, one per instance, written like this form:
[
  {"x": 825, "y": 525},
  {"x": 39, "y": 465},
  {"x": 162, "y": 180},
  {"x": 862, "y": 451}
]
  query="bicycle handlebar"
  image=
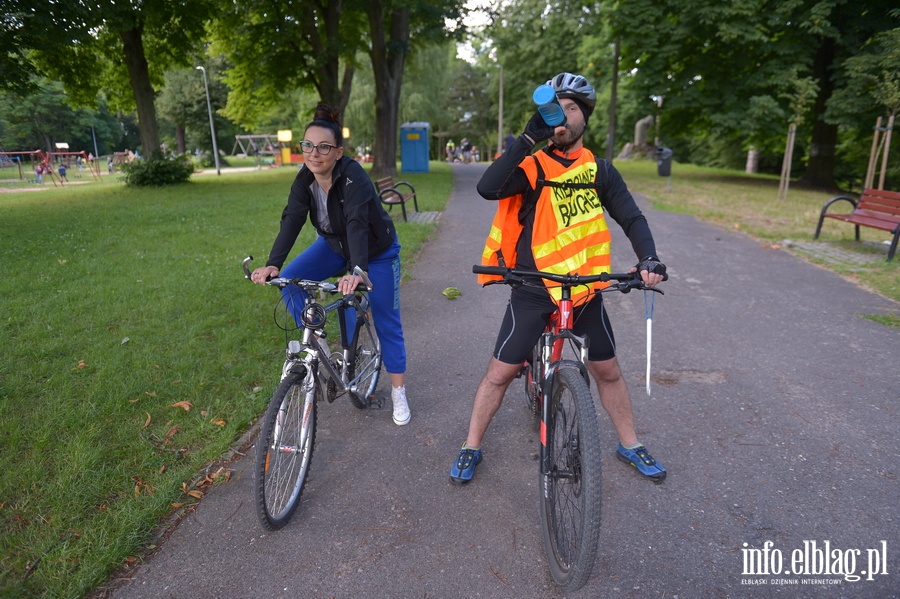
[
  {"x": 280, "y": 282},
  {"x": 626, "y": 281}
]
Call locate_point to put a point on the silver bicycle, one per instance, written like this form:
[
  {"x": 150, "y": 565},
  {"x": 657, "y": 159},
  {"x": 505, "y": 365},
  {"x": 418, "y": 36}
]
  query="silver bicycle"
[{"x": 311, "y": 372}]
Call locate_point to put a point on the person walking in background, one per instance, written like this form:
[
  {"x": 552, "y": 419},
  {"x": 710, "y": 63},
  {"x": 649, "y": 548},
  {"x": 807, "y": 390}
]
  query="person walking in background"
[
  {"x": 465, "y": 147},
  {"x": 336, "y": 194},
  {"x": 508, "y": 140},
  {"x": 527, "y": 233}
]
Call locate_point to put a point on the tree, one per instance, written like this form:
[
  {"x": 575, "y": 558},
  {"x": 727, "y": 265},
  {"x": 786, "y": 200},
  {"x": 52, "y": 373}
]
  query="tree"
[
  {"x": 182, "y": 102},
  {"x": 279, "y": 45},
  {"x": 39, "y": 119},
  {"x": 109, "y": 45},
  {"x": 728, "y": 70},
  {"x": 535, "y": 40},
  {"x": 394, "y": 27}
]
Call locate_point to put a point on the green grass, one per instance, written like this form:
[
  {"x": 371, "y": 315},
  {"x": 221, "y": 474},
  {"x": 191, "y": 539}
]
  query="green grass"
[
  {"x": 120, "y": 303},
  {"x": 750, "y": 204}
]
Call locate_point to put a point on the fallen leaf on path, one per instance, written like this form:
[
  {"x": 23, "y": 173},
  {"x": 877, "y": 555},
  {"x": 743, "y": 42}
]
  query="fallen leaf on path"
[{"x": 185, "y": 405}]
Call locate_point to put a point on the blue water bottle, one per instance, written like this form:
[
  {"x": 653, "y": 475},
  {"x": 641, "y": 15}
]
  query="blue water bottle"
[{"x": 548, "y": 105}]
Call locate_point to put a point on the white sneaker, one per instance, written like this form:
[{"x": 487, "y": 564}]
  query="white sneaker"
[{"x": 401, "y": 408}]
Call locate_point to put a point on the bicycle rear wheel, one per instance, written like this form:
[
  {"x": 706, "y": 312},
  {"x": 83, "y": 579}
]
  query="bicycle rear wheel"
[
  {"x": 570, "y": 493},
  {"x": 365, "y": 361},
  {"x": 533, "y": 386},
  {"x": 283, "y": 452}
]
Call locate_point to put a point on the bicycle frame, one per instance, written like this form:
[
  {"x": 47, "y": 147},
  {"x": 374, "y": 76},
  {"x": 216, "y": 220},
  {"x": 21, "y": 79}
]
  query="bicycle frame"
[
  {"x": 346, "y": 308},
  {"x": 310, "y": 338},
  {"x": 551, "y": 345}
]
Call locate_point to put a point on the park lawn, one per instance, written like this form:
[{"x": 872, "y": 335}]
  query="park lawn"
[
  {"x": 134, "y": 356},
  {"x": 749, "y": 203}
]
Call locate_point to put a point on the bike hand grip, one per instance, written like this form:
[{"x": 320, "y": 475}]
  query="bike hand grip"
[{"x": 478, "y": 269}]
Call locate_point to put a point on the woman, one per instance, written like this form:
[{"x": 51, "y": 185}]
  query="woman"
[{"x": 354, "y": 230}]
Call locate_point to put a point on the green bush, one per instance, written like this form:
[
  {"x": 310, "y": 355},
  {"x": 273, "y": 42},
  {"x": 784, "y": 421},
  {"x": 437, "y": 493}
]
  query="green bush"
[
  {"x": 207, "y": 160},
  {"x": 163, "y": 170}
]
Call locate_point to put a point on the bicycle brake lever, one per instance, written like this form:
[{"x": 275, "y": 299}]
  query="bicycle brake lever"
[
  {"x": 514, "y": 281},
  {"x": 362, "y": 275}
]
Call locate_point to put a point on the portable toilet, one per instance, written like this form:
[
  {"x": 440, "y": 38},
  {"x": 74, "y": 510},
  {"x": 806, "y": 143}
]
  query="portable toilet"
[{"x": 414, "y": 147}]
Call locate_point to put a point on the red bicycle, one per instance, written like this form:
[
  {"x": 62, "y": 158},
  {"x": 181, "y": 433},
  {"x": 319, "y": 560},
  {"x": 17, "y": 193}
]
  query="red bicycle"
[{"x": 557, "y": 388}]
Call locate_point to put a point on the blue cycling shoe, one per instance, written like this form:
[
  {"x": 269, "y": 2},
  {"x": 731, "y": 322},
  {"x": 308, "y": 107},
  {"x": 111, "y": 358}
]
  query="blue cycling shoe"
[
  {"x": 641, "y": 459},
  {"x": 464, "y": 467}
]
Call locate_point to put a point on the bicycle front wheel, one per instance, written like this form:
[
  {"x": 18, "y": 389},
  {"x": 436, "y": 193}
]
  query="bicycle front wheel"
[
  {"x": 570, "y": 492},
  {"x": 365, "y": 361},
  {"x": 283, "y": 452}
]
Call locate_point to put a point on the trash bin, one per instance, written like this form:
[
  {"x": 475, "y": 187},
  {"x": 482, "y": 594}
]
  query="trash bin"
[
  {"x": 414, "y": 147},
  {"x": 663, "y": 161}
]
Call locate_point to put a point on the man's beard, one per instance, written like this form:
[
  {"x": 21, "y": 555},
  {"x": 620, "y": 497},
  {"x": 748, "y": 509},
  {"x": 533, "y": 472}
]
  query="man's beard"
[{"x": 568, "y": 139}]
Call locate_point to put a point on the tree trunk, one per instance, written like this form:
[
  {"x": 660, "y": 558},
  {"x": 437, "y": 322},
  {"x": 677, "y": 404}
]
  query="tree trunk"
[
  {"x": 139, "y": 75},
  {"x": 388, "y": 56},
  {"x": 611, "y": 127},
  {"x": 328, "y": 72},
  {"x": 820, "y": 167},
  {"x": 179, "y": 139}
]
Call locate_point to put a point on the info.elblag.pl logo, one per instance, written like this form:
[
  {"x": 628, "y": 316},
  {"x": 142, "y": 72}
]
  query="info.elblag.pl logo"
[{"x": 812, "y": 563}]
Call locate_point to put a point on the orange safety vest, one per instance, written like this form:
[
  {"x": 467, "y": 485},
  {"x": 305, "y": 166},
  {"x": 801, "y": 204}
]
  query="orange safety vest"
[{"x": 570, "y": 235}]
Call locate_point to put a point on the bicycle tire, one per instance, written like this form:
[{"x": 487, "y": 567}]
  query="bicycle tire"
[
  {"x": 365, "y": 361},
  {"x": 571, "y": 493},
  {"x": 282, "y": 463}
]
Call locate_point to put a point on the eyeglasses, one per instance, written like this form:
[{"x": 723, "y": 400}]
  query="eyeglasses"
[{"x": 323, "y": 148}]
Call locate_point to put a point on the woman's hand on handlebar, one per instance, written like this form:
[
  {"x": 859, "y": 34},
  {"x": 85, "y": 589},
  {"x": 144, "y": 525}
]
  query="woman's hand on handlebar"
[
  {"x": 263, "y": 274},
  {"x": 348, "y": 283}
]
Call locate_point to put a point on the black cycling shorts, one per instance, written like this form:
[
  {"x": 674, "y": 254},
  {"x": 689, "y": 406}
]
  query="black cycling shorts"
[{"x": 527, "y": 314}]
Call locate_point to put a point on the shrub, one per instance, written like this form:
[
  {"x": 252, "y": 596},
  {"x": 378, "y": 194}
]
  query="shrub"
[
  {"x": 163, "y": 170},
  {"x": 207, "y": 160}
]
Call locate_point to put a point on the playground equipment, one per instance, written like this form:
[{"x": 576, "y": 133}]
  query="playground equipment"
[
  {"x": 26, "y": 162},
  {"x": 268, "y": 145}
]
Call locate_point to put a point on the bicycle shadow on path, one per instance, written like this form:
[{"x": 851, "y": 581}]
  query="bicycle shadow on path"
[{"x": 773, "y": 406}]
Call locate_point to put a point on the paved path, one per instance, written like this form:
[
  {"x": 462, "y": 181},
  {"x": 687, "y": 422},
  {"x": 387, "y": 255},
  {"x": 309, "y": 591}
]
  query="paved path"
[{"x": 775, "y": 408}]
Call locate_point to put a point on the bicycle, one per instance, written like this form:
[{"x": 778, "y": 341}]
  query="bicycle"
[
  {"x": 311, "y": 372},
  {"x": 558, "y": 393}
]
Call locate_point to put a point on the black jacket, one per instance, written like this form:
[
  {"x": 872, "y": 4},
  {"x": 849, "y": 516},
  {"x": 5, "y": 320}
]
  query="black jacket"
[{"x": 361, "y": 227}]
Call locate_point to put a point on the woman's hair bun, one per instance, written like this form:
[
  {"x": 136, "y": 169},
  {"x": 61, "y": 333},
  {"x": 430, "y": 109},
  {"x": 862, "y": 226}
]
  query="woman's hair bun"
[{"x": 327, "y": 113}]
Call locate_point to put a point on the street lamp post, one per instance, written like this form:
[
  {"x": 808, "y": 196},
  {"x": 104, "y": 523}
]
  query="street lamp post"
[
  {"x": 500, "y": 116},
  {"x": 212, "y": 129}
]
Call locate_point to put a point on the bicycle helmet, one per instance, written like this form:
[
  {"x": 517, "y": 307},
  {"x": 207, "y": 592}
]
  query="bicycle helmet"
[{"x": 576, "y": 87}]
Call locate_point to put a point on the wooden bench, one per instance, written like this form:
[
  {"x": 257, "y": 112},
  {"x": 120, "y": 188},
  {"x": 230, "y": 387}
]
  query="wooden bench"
[
  {"x": 391, "y": 195},
  {"x": 876, "y": 208}
]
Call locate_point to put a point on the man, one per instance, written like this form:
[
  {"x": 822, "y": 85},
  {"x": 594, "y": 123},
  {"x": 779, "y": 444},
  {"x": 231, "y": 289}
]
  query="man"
[{"x": 537, "y": 210}]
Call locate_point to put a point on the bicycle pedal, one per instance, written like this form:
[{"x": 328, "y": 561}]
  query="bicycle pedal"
[{"x": 375, "y": 401}]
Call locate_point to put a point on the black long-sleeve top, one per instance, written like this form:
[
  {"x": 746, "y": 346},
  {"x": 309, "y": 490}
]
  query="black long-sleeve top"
[
  {"x": 504, "y": 178},
  {"x": 360, "y": 227}
]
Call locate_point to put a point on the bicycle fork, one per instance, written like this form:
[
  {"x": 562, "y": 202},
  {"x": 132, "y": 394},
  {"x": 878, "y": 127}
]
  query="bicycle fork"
[
  {"x": 308, "y": 388},
  {"x": 551, "y": 346}
]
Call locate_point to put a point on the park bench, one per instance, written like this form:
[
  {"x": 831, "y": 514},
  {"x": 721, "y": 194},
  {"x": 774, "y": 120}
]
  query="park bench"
[
  {"x": 876, "y": 208},
  {"x": 391, "y": 195}
]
